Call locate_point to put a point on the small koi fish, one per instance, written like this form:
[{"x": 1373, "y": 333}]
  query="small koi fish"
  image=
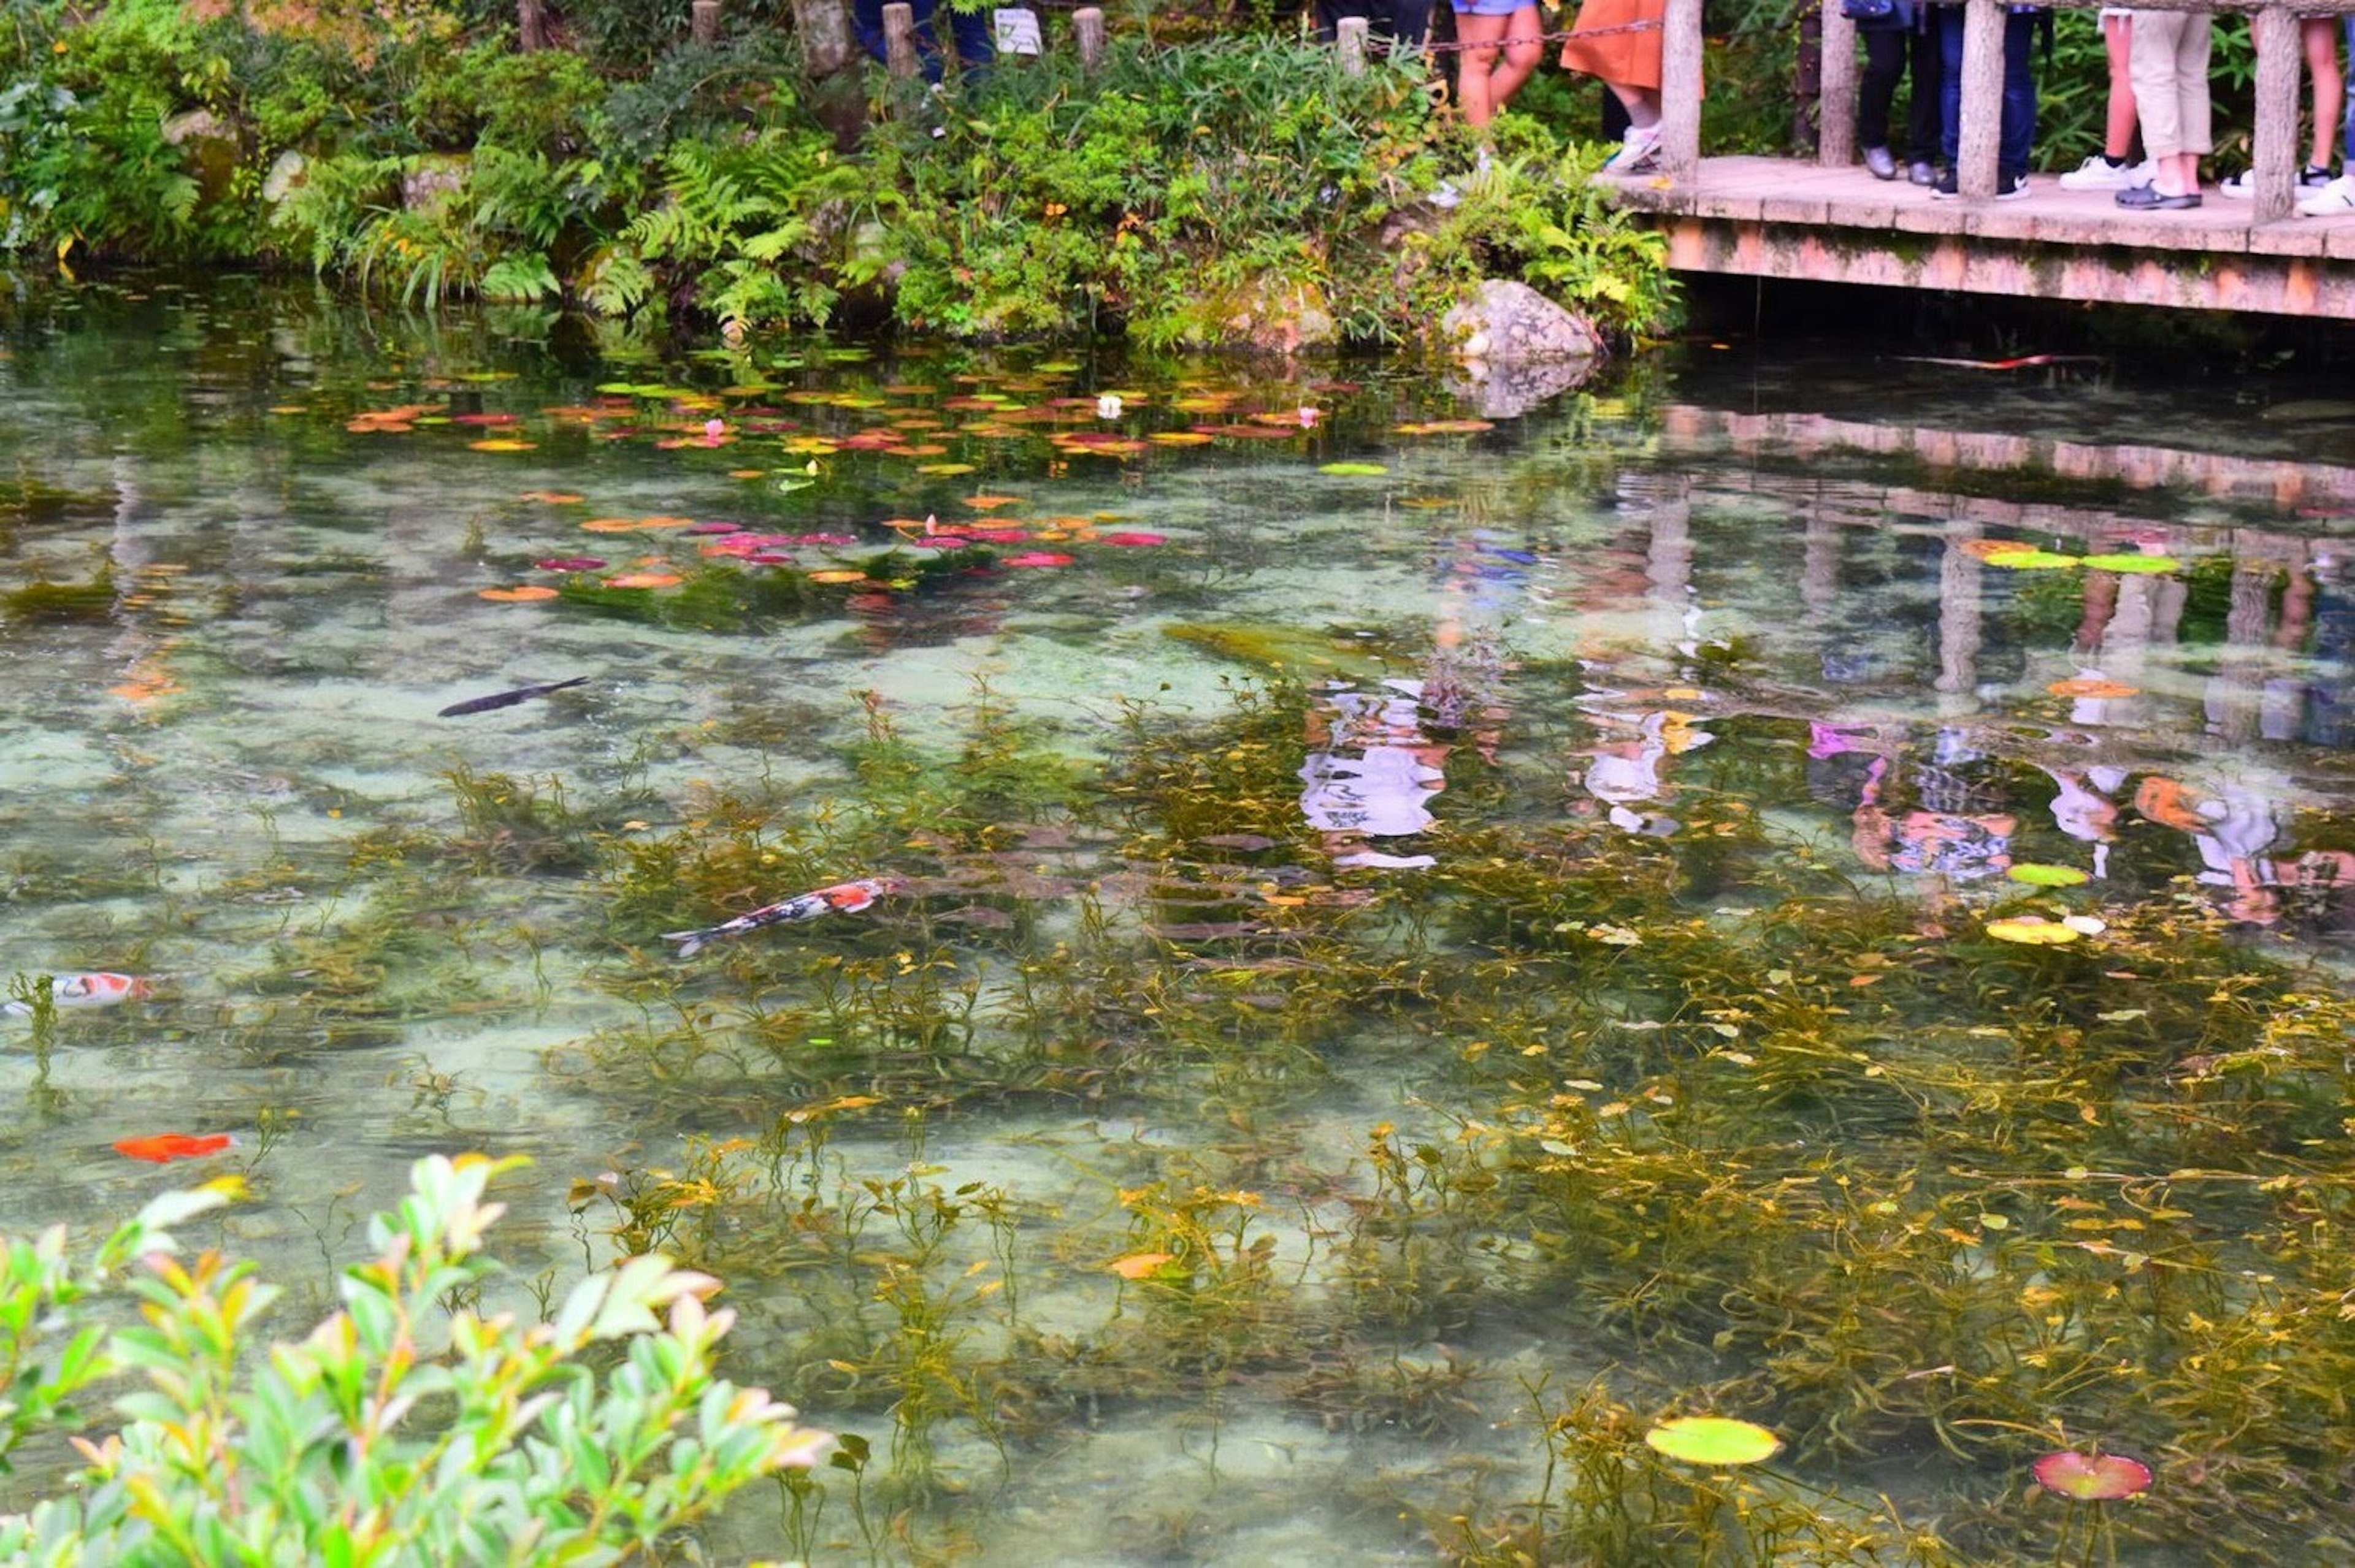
[
  {"x": 93, "y": 991},
  {"x": 162, "y": 1148},
  {"x": 842, "y": 898},
  {"x": 508, "y": 699}
]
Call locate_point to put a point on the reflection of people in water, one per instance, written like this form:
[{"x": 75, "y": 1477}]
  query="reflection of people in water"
[
  {"x": 2231, "y": 829},
  {"x": 1954, "y": 832},
  {"x": 2083, "y": 809},
  {"x": 1370, "y": 772},
  {"x": 1626, "y": 773}
]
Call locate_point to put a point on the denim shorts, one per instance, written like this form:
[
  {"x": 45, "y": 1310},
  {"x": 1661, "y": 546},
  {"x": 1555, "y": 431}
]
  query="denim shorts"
[{"x": 1492, "y": 8}]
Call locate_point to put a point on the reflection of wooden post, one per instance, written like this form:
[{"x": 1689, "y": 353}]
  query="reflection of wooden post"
[
  {"x": 2276, "y": 152},
  {"x": 531, "y": 25},
  {"x": 1836, "y": 121},
  {"x": 1959, "y": 621},
  {"x": 1982, "y": 128},
  {"x": 704, "y": 27},
  {"x": 900, "y": 39},
  {"x": 1349, "y": 36},
  {"x": 824, "y": 27},
  {"x": 1088, "y": 32},
  {"x": 1681, "y": 45}
]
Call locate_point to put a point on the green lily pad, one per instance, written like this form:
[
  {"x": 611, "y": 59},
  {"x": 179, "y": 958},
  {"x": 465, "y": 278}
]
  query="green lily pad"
[
  {"x": 1353, "y": 468},
  {"x": 1713, "y": 1440},
  {"x": 2032, "y": 560},
  {"x": 2038, "y": 876},
  {"x": 2123, "y": 562}
]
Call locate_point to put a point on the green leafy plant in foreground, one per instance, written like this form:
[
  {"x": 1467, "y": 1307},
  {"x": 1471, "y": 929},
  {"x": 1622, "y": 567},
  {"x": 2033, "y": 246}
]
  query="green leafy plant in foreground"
[{"x": 362, "y": 1442}]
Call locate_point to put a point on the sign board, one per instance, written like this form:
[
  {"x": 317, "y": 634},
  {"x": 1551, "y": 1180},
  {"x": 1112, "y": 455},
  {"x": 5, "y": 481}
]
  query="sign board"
[{"x": 1017, "y": 31}]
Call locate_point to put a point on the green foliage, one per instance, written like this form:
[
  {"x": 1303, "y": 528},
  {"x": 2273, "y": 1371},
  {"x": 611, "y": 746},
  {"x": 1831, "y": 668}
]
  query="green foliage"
[{"x": 401, "y": 1429}]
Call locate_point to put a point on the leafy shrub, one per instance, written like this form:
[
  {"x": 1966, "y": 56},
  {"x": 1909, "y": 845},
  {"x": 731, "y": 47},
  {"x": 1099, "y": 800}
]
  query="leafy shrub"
[{"x": 363, "y": 1441}]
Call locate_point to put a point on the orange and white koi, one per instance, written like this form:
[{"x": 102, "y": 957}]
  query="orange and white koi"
[
  {"x": 98, "y": 990},
  {"x": 842, "y": 898}
]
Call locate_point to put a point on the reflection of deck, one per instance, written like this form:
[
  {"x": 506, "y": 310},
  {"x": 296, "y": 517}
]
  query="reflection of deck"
[
  {"x": 1781, "y": 217},
  {"x": 2324, "y": 487}
]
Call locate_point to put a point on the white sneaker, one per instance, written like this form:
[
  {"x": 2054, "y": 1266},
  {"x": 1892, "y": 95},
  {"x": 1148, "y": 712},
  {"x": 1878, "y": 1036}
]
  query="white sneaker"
[
  {"x": 1636, "y": 151},
  {"x": 2097, "y": 173},
  {"x": 2243, "y": 186},
  {"x": 2332, "y": 200}
]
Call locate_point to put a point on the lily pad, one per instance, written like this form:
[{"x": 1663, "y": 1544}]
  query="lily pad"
[
  {"x": 2031, "y": 559},
  {"x": 2038, "y": 876},
  {"x": 2132, "y": 562},
  {"x": 1352, "y": 468},
  {"x": 2033, "y": 930},
  {"x": 2091, "y": 1478},
  {"x": 1713, "y": 1440}
]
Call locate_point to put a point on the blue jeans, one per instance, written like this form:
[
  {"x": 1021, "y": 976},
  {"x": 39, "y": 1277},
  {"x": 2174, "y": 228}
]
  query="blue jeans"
[
  {"x": 2018, "y": 87},
  {"x": 977, "y": 40}
]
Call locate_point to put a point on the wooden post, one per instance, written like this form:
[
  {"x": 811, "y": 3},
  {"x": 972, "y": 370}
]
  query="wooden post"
[
  {"x": 1088, "y": 32},
  {"x": 704, "y": 24},
  {"x": 531, "y": 25},
  {"x": 1982, "y": 126},
  {"x": 1681, "y": 45},
  {"x": 2278, "y": 154},
  {"x": 900, "y": 39},
  {"x": 1349, "y": 36},
  {"x": 824, "y": 27},
  {"x": 1836, "y": 122}
]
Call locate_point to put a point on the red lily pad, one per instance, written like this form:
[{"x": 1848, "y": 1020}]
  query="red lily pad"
[
  {"x": 1134, "y": 536},
  {"x": 2091, "y": 1478},
  {"x": 572, "y": 563},
  {"x": 1037, "y": 558}
]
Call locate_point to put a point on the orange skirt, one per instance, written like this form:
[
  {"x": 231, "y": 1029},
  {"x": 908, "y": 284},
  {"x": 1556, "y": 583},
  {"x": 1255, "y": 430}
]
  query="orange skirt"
[{"x": 1629, "y": 59}]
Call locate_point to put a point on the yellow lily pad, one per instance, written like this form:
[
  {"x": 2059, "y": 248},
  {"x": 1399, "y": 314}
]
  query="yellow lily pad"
[
  {"x": 2033, "y": 931},
  {"x": 2037, "y": 876}
]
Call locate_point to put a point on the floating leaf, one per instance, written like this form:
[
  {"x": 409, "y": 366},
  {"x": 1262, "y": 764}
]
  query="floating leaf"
[
  {"x": 2091, "y": 1478},
  {"x": 523, "y": 595},
  {"x": 2033, "y": 930},
  {"x": 572, "y": 563},
  {"x": 1180, "y": 438},
  {"x": 2030, "y": 560},
  {"x": 2121, "y": 562},
  {"x": 1137, "y": 1265},
  {"x": 949, "y": 468},
  {"x": 1713, "y": 1440},
  {"x": 990, "y": 503},
  {"x": 611, "y": 525},
  {"x": 502, "y": 443},
  {"x": 838, "y": 575},
  {"x": 1351, "y": 468},
  {"x": 1038, "y": 558},
  {"x": 1134, "y": 537},
  {"x": 2037, "y": 876},
  {"x": 553, "y": 497},
  {"x": 644, "y": 579},
  {"x": 2093, "y": 686}
]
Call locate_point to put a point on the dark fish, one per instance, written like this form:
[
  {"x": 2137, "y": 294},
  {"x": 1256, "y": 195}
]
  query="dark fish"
[{"x": 507, "y": 698}]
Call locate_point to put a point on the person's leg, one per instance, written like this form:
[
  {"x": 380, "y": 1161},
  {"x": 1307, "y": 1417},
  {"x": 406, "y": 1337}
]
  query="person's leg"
[
  {"x": 1949, "y": 19},
  {"x": 1524, "y": 47},
  {"x": 1642, "y": 103},
  {"x": 2156, "y": 37},
  {"x": 2346, "y": 127},
  {"x": 1483, "y": 40},
  {"x": 1929, "y": 85},
  {"x": 2118, "y": 122},
  {"x": 2019, "y": 128},
  {"x": 1410, "y": 23},
  {"x": 1884, "y": 62},
  {"x": 2320, "y": 38},
  {"x": 976, "y": 38},
  {"x": 2192, "y": 54}
]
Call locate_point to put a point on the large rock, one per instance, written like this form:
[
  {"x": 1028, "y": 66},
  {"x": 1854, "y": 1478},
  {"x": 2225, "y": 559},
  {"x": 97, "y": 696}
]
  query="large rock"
[
  {"x": 1506, "y": 323},
  {"x": 1269, "y": 316},
  {"x": 432, "y": 178},
  {"x": 210, "y": 150}
]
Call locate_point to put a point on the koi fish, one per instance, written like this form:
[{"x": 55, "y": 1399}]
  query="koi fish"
[
  {"x": 508, "y": 699},
  {"x": 93, "y": 991},
  {"x": 162, "y": 1148},
  {"x": 842, "y": 898}
]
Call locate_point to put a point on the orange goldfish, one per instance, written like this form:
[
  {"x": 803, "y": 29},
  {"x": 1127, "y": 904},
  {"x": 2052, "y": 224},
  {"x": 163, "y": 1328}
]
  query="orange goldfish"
[{"x": 164, "y": 1147}]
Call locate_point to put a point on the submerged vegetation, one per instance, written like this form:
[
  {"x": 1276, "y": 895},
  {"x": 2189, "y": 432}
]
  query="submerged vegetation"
[{"x": 1201, "y": 192}]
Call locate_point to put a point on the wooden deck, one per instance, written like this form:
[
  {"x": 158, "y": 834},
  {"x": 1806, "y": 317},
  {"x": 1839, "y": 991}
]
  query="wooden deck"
[{"x": 1785, "y": 217}]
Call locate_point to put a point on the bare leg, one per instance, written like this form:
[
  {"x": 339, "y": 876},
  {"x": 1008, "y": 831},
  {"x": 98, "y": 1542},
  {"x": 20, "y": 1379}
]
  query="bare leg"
[
  {"x": 1480, "y": 37},
  {"x": 1523, "y": 49},
  {"x": 2321, "y": 36},
  {"x": 2118, "y": 122}
]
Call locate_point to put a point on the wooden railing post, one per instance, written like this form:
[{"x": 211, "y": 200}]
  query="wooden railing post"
[
  {"x": 1680, "y": 46},
  {"x": 1088, "y": 32},
  {"x": 531, "y": 25},
  {"x": 2277, "y": 153},
  {"x": 1982, "y": 126},
  {"x": 824, "y": 27},
  {"x": 900, "y": 39},
  {"x": 1836, "y": 117},
  {"x": 1349, "y": 38},
  {"x": 703, "y": 21}
]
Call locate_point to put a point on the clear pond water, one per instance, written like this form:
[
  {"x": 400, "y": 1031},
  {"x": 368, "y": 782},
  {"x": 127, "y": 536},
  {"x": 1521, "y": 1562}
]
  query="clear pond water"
[{"x": 1430, "y": 926}]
